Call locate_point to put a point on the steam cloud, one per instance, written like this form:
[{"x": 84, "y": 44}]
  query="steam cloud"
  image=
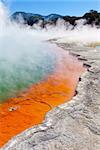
[{"x": 26, "y": 57}]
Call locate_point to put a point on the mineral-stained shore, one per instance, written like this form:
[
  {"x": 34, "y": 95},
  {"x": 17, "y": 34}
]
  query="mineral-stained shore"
[{"x": 74, "y": 125}]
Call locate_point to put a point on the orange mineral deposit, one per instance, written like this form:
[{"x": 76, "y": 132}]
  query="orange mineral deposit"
[{"x": 30, "y": 107}]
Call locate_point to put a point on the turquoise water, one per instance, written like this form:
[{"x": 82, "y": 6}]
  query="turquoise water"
[
  {"x": 98, "y": 46},
  {"x": 19, "y": 75}
]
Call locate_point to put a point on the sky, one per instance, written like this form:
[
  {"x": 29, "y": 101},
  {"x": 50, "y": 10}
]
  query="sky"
[{"x": 45, "y": 7}]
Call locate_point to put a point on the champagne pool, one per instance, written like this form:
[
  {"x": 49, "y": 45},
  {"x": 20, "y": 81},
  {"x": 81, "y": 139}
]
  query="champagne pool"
[{"x": 28, "y": 90}]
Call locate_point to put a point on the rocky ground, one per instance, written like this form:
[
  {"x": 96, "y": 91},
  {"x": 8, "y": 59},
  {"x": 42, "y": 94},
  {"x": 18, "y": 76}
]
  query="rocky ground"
[{"x": 74, "y": 125}]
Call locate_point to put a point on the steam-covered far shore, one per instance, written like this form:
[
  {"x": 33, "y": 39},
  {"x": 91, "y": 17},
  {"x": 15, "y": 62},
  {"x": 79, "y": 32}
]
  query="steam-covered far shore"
[{"x": 91, "y": 18}]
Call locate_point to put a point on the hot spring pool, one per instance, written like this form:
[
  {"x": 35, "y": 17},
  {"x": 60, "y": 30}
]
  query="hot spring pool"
[{"x": 62, "y": 73}]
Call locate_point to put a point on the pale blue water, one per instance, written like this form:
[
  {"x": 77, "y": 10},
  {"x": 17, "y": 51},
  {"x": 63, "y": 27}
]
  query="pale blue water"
[
  {"x": 19, "y": 75},
  {"x": 98, "y": 46}
]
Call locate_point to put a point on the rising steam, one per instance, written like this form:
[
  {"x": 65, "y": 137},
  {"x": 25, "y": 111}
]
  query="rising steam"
[
  {"x": 26, "y": 58},
  {"x": 23, "y": 58}
]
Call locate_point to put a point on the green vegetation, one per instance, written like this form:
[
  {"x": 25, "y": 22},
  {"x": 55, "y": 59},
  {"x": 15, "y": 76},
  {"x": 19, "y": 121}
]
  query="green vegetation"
[{"x": 92, "y": 17}]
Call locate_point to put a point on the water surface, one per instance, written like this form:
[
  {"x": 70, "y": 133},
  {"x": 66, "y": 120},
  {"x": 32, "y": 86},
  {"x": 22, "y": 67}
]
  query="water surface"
[{"x": 18, "y": 74}]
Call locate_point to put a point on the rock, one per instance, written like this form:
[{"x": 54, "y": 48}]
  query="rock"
[{"x": 12, "y": 108}]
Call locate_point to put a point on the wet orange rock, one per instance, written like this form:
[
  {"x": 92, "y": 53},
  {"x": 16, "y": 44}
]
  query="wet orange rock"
[{"x": 30, "y": 107}]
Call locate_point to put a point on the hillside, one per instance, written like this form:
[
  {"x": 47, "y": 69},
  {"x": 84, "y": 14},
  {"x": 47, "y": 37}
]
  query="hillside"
[{"x": 92, "y": 18}]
